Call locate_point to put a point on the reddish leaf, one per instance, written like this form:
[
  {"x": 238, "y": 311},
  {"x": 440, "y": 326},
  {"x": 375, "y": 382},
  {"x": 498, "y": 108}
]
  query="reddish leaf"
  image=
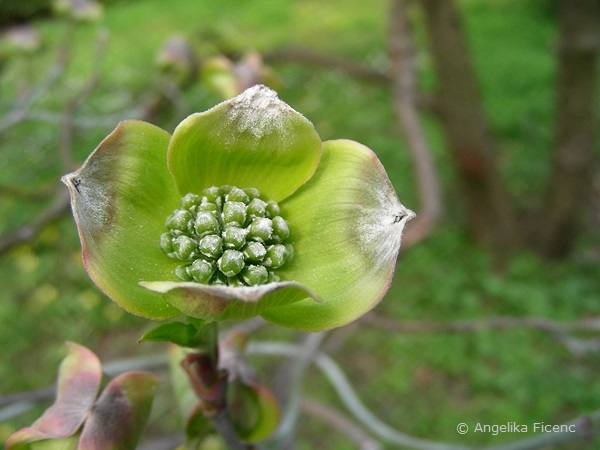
[
  {"x": 120, "y": 414},
  {"x": 79, "y": 378}
]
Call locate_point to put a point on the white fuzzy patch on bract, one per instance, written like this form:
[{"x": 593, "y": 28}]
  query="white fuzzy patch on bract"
[
  {"x": 259, "y": 111},
  {"x": 379, "y": 229},
  {"x": 90, "y": 199}
]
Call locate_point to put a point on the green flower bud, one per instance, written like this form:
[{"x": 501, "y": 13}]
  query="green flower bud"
[
  {"x": 255, "y": 252},
  {"x": 225, "y": 189},
  {"x": 202, "y": 270},
  {"x": 183, "y": 247},
  {"x": 178, "y": 221},
  {"x": 237, "y": 195},
  {"x": 272, "y": 209},
  {"x": 166, "y": 244},
  {"x": 182, "y": 272},
  {"x": 281, "y": 230},
  {"x": 257, "y": 208},
  {"x": 189, "y": 200},
  {"x": 231, "y": 263},
  {"x": 276, "y": 256},
  {"x": 290, "y": 252},
  {"x": 235, "y": 281},
  {"x": 252, "y": 193},
  {"x": 208, "y": 207},
  {"x": 234, "y": 237},
  {"x": 211, "y": 245},
  {"x": 273, "y": 277},
  {"x": 261, "y": 229},
  {"x": 211, "y": 194},
  {"x": 234, "y": 213},
  {"x": 254, "y": 275},
  {"x": 206, "y": 223}
]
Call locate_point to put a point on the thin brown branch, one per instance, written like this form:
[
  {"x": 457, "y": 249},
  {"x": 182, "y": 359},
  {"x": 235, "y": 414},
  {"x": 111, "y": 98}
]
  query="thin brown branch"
[
  {"x": 465, "y": 326},
  {"x": 27, "y": 232},
  {"x": 337, "y": 420},
  {"x": 21, "y": 193},
  {"x": 347, "y": 66},
  {"x": 560, "y": 331},
  {"x": 314, "y": 58},
  {"x": 223, "y": 425},
  {"x": 67, "y": 127},
  {"x": 404, "y": 91},
  {"x": 61, "y": 199},
  {"x": 582, "y": 427},
  {"x": 21, "y": 110}
]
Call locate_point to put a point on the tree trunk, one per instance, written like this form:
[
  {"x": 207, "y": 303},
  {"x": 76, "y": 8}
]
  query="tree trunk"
[
  {"x": 466, "y": 129},
  {"x": 570, "y": 183}
]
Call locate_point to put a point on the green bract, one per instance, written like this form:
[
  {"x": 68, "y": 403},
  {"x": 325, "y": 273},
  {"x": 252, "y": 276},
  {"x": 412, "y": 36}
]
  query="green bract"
[{"x": 340, "y": 214}]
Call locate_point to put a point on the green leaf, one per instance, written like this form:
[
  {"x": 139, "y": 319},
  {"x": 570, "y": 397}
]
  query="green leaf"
[
  {"x": 216, "y": 303},
  {"x": 184, "y": 335},
  {"x": 253, "y": 140},
  {"x": 120, "y": 199},
  {"x": 197, "y": 425},
  {"x": 120, "y": 414},
  {"x": 79, "y": 379},
  {"x": 347, "y": 225},
  {"x": 253, "y": 410}
]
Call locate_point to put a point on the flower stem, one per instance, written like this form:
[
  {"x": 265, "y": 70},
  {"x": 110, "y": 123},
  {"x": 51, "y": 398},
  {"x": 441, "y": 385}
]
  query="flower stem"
[
  {"x": 210, "y": 384},
  {"x": 221, "y": 422}
]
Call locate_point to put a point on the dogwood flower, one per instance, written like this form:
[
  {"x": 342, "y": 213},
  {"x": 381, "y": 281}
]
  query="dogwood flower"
[{"x": 243, "y": 211}]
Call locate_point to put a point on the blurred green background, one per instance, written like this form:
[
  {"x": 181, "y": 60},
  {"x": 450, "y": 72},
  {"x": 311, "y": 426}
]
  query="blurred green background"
[{"x": 423, "y": 383}]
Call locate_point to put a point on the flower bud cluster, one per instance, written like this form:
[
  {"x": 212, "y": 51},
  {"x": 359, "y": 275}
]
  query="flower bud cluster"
[{"x": 227, "y": 236}]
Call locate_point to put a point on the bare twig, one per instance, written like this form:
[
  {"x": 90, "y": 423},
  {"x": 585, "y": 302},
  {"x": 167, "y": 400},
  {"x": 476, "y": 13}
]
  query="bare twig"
[
  {"x": 346, "y": 66},
  {"x": 348, "y": 396},
  {"x": 27, "y": 232},
  {"x": 582, "y": 427},
  {"x": 332, "y": 62},
  {"x": 287, "y": 425},
  {"x": 585, "y": 426},
  {"x": 67, "y": 121},
  {"x": 461, "y": 326},
  {"x": 21, "y": 109},
  {"x": 334, "y": 418},
  {"x": 404, "y": 90},
  {"x": 558, "y": 330},
  {"x": 61, "y": 199},
  {"x": 222, "y": 423}
]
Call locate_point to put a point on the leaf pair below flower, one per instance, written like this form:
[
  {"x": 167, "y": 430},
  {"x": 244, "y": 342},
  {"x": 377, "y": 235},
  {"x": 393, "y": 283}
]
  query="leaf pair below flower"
[{"x": 80, "y": 419}]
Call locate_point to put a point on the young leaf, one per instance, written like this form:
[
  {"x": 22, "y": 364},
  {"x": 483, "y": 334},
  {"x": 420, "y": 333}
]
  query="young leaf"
[
  {"x": 182, "y": 334},
  {"x": 253, "y": 410},
  {"x": 120, "y": 414},
  {"x": 79, "y": 379}
]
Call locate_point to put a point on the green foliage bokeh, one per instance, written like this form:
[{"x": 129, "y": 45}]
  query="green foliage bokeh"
[{"x": 423, "y": 383}]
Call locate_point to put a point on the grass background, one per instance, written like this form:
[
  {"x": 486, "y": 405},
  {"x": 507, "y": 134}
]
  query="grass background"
[{"x": 424, "y": 384}]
